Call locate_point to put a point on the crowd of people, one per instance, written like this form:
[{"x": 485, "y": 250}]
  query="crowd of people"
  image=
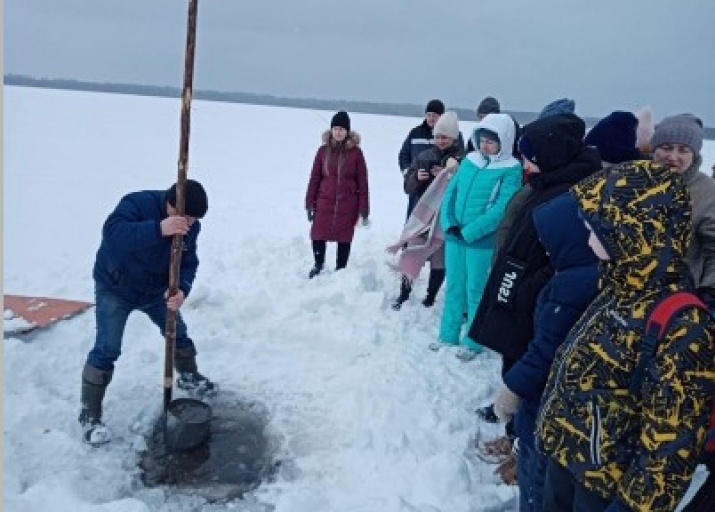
[
  {"x": 561, "y": 249},
  {"x": 560, "y": 246}
]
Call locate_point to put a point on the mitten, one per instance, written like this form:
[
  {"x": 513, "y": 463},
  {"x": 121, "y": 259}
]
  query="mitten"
[
  {"x": 455, "y": 232},
  {"x": 506, "y": 404},
  {"x": 311, "y": 214}
]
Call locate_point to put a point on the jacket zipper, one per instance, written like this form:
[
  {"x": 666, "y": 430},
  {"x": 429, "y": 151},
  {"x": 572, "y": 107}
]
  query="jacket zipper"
[
  {"x": 560, "y": 369},
  {"x": 595, "y": 433}
]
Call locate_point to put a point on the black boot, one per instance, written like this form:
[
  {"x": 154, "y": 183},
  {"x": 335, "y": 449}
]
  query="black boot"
[
  {"x": 405, "y": 290},
  {"x": 189, "y": 377},
  {"x": 94, "y": 385},
  {"x": 436, "y": 278},
  {"x": 319, "y": 247}
]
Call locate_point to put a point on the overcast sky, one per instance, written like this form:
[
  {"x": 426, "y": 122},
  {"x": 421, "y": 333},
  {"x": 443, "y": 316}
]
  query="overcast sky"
[{"x": 607, "y": 55}]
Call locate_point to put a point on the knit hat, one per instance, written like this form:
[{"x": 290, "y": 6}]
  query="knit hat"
[
  {"x": 681, "y": 129},
  {"x": 435, "y": 106},
  {"x": 447, "y": 125},
  {"x": 562, "y": 106},
  {"x": 196, "y": 203},
  {"x": 644, "y": 132},
  {"x": 341, "y": 119},
  {"x": 488, "y": 105},
  {"x": 615, "y": 137},
  {"x": 553, "y": 141}
]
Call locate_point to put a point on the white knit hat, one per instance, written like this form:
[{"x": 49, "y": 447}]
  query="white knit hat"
[{"x": 447, "y": 125}]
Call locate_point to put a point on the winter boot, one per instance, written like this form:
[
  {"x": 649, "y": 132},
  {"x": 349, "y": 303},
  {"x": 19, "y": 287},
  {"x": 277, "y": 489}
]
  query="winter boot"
[
  {"x": 314, "y": 271},
  {"x": 189, "y": 377},
  {"x": 405, "y": 290},
  {"x": 436, "y": 278},
  {"x": 94, "y": 384}
]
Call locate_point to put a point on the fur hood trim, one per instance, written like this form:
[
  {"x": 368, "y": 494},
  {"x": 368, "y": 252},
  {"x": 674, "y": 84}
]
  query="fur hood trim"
[{"x": 352, "y": 140}]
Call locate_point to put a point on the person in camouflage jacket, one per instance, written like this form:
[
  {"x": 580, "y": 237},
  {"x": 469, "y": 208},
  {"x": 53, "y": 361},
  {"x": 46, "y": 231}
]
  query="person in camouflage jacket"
[{"x": 611, "y": 448}]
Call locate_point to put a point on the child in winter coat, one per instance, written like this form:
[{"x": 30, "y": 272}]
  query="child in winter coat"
[
  {"x": 623, "y": 425},
  {"x": 472, "y": 207},
  {"x": 560, "y": 304},
  {"x": 337, "y": 192},
  {"x": 418, "y": 178}
]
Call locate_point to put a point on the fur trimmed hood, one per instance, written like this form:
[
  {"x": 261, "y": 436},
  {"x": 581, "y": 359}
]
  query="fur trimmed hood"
[{"x": 351, "y": 141}]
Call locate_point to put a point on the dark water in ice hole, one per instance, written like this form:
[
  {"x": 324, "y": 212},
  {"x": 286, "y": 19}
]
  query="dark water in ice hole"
[{"x": 235, "y": 460}]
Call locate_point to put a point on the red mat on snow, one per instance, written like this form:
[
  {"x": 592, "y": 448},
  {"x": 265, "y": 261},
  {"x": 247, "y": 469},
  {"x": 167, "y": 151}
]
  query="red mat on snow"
[{"x": 28, "y": 313}]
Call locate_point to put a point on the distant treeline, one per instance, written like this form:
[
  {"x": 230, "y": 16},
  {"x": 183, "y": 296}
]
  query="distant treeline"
[{"x": 366, "y": 107}]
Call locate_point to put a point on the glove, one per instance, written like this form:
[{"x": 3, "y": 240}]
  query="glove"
[
  {"x": 365, "y": 220},
  {"x": 311, "y": 214},
  {"x": 506, "y": 404},
  {"x": 455, "y": 232}
]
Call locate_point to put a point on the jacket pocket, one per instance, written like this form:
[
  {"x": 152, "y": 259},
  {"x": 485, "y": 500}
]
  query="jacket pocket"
[
  {"x": 595, "y": 437},
  {"x": 614, "y": 429}
]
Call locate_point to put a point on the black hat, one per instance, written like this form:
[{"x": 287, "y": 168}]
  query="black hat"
[
  {"x": 435, "y": 106},
  {"x": 341, "y": 119},
  {"x": 488, "y": 105},
  {"x": 196, "y": 203}
]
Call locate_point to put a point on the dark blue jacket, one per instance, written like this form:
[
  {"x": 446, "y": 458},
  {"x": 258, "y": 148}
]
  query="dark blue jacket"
[
  {"x": 134, "y": 257},
  {"x": 559, "y": 305}
]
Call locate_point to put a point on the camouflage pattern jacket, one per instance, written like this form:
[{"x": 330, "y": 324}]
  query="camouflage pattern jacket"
[{"x": 639, "y": 448}]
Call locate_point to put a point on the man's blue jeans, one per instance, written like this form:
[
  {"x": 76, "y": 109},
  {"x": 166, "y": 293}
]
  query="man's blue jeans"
[{"x": 112, "y": 310}]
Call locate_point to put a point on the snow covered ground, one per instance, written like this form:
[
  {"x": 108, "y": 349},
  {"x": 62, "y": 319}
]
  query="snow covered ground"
[{"x": 364, "y": 416}]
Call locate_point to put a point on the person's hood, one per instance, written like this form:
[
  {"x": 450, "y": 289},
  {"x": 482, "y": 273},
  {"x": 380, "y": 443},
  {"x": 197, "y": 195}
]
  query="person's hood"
[
  {"x": 641, "y": 213},
  {"x": 503, "y": 126},
  {"x": 563, "y": 233}
]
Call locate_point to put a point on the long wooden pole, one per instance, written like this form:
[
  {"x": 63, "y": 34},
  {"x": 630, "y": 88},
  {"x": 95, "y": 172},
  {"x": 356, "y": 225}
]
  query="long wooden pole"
[{"x": 176, "y": 242}]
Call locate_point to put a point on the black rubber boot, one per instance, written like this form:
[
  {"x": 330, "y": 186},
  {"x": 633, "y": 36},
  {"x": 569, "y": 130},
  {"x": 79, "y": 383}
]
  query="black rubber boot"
[
  {"x": 189, "y": 377},
  {"x": 94, "y": 385},
  {"x": 405, "y": 290},
  {"x": 314, "y": 271},
  {"x": 436, "y": 278}
]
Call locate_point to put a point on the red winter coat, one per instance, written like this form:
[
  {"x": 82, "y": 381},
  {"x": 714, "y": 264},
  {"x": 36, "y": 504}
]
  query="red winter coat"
[{"x": 338, "y": 189}]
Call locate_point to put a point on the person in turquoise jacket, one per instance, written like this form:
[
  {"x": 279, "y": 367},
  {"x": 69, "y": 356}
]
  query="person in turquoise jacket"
[{"x": 472, "y": 207}]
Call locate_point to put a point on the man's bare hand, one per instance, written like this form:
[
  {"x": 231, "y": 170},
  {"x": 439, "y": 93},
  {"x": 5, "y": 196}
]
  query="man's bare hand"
[
  {"x": 174, "y": 225},
  {"x": 422, "y": 175},
  {"x": 175, "y": 301},
  {"x": 436, "y": 170}
]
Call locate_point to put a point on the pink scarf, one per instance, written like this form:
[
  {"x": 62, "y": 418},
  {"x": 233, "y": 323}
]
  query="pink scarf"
[{"x": 422, "y": 226}]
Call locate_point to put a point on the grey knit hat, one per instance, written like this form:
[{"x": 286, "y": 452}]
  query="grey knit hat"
[
  {"x": 680, "y": 129},
  {"x": 488, "y": 105}
]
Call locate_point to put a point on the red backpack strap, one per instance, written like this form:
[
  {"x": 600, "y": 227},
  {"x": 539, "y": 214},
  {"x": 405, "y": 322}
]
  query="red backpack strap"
[
  {"x": 660, "y": 318},
  {"x": 656, "y": 327},
  {"x": 670, "y": 306}
]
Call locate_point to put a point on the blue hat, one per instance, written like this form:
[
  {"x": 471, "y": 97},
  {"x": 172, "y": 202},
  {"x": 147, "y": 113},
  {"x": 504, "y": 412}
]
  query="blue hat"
[
  {"x": 562, "y": 106},
  {"x": 615, "y": 137}
]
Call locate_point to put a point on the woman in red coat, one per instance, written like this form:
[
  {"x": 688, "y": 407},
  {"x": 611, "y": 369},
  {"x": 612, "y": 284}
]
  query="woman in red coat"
[{"x": 337, "y": 192}]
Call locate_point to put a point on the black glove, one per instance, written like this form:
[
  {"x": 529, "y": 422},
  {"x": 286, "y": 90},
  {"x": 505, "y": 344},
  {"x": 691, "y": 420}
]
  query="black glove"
[
  {"x": 455, "y": 232},
  {"x": 311, "y": 214}
]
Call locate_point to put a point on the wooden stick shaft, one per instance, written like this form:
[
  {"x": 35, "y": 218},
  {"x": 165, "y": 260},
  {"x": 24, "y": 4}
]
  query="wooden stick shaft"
[{"x": 177, "y": 241}]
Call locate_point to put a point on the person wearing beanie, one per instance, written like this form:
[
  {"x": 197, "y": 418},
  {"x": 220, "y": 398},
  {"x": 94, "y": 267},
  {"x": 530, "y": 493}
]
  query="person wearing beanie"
[
  {"x": 421, "y": 138},
  {"x": 341, "y": 119},
  {"x": 337, "y": 194},
  {"x": 426, "y": 179},
  {"x": 488, "y": 105},
  {"x": 555, "y": 158},
  {"x": 560, "y": 106},
  {"x": 614, "y": 137},
  {"x": 677, "y": 142},
  {"x": 131, "y": 273},
  {"x": 471, "y": 210},
  {"x": 621, "y": 423}
]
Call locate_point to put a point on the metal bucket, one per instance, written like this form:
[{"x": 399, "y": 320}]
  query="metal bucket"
[{"x": 188, "y": 424}]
